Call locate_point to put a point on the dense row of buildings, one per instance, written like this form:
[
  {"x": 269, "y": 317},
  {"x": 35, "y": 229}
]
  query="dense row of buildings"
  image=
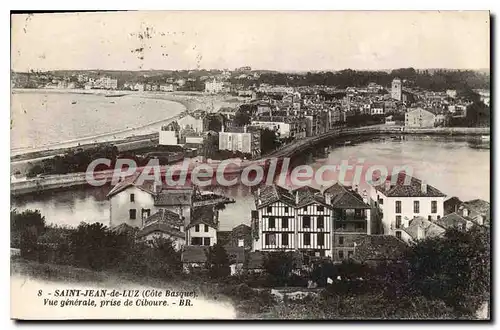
[{"x": 335, "y": 222}]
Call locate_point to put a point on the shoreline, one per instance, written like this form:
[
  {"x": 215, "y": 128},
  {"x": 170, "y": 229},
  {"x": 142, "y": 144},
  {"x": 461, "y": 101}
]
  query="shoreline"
[
  {"x": 191, "y": 101},
  {"x": 72, "y": 180}
]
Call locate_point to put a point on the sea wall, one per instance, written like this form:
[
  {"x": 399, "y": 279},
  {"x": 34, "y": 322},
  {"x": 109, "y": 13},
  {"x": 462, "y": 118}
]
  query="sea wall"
[{"x": 27, "y": 186}]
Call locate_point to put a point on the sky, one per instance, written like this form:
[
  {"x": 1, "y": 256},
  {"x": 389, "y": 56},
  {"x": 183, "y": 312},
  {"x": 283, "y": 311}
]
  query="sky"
[{"x": 272, "y": 40}]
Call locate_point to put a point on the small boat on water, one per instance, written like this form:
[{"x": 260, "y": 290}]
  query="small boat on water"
[
  {"x": 115, "y": 95},
  {"x": 73, "y": 102}
]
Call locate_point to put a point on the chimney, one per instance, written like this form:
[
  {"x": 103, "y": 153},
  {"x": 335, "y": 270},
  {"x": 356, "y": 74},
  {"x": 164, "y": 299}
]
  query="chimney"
[
  {"x": 222, "y": 128},
  {"x": 156, "y": 188},
  {"x": 328, "y": 199},
  {"x": 420, "y": 233},
  {"x": 245, "y": 129},
  {"x": 423, "y": 186},
  {"x": 387, "y": 185},
  {"x": 365, "y": 196}
]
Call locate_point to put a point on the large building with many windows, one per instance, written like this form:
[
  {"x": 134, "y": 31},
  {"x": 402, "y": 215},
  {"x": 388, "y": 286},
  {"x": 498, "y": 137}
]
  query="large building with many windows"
[
  {"x": 317, "y": 223},
  {"x": 399, "y": 201}
]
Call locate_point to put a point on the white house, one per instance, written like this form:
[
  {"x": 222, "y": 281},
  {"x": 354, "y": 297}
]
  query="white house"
[
  {"x": 404, "y": 199},
  {"x": 131, "y": 203},
  {"x": 167, "y": 88},
  {"x": 214, "y": 87},
  {"x": 191, "y": 122},
  {"x": 168, "y": 138},
  {"x": 277, "y": 124},
  {"x": 202, "y": 230}
]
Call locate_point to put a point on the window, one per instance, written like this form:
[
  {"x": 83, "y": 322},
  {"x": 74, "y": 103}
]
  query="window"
[
  {"x": 341, "y": 240},
  {"x": 307, "y": 239},
  {"x": 398, "y": 206},
  {"x": 206, "y": 228},
  {"x": 357, "y": 213},
  {"x": 416, "y": 207},
  {"x": 241, "y": 242},
  {"x": 305, "y": 208},
  {"x": 466, "y": 212},
  {"x": 398, "y": 221},
  {"x": 286, "y": 209},
  {"x": 270, "y": 239},
  {"x": 196, "y": 241},
  {"x": 133, "y": 214},
  {"x": 360, "y": 226},
  {"x": 197, "y": 228},
  {"x": 321, "y": 239},
  {"x": 321, "y": 222},
  {"x": 272, "y": 222},
  {"x": 341, "y": 254},
  {"x": 320, "y": 208},
  {"x": 340, "y": 226},
  {"x": 398, "y": 234},
  {"x": 349, "y": 254},
  {"x": 306, "y": 222},
  {"x": 206, "y": 241},
  {"x": 269, "y": 209},
  {"x": 381, "y": 201},
  {"x": 146, "y": 213},
  {"x": 284, "y": 223},
  {"x": 284, "y": 239},
  {"x": 132, "y": 198},
  {"x": 434, "y": 206}
]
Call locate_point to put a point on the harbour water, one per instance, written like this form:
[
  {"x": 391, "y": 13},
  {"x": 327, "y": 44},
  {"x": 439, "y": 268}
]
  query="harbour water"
[{"x": 451, "y": 164}]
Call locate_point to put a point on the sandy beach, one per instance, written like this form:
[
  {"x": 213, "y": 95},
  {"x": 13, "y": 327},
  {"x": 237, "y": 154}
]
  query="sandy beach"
[{"x": 191, "y": 101}]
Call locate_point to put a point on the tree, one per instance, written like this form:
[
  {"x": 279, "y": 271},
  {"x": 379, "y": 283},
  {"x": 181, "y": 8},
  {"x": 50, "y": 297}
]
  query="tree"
[
  {"x": 279, "y": 265},
  {"x": 169, "y": 257},
  {"x": 218, "y": 262},
  {"x": 241, "y": 118},
  {"x": 268, "y": 141},
  {"x": 28, "y": 218},
  {"x": 454, "y": 268},
  {"x": 26, "y": 227},
  {"x": 92, "y": 245}
]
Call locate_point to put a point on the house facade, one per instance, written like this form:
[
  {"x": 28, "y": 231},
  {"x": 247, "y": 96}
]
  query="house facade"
[
  {"x": 164, "y": 224},
  {"x": 317, "y": 223},
  {"x": 202, "y": 229},
  {"x": 132, "y": 203},
  {"x": 243, "y": 141},
  {"x": 400, "y": 201},
  {"x": 419, "y": 118},
  {"x": 191, "y": 122}
]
